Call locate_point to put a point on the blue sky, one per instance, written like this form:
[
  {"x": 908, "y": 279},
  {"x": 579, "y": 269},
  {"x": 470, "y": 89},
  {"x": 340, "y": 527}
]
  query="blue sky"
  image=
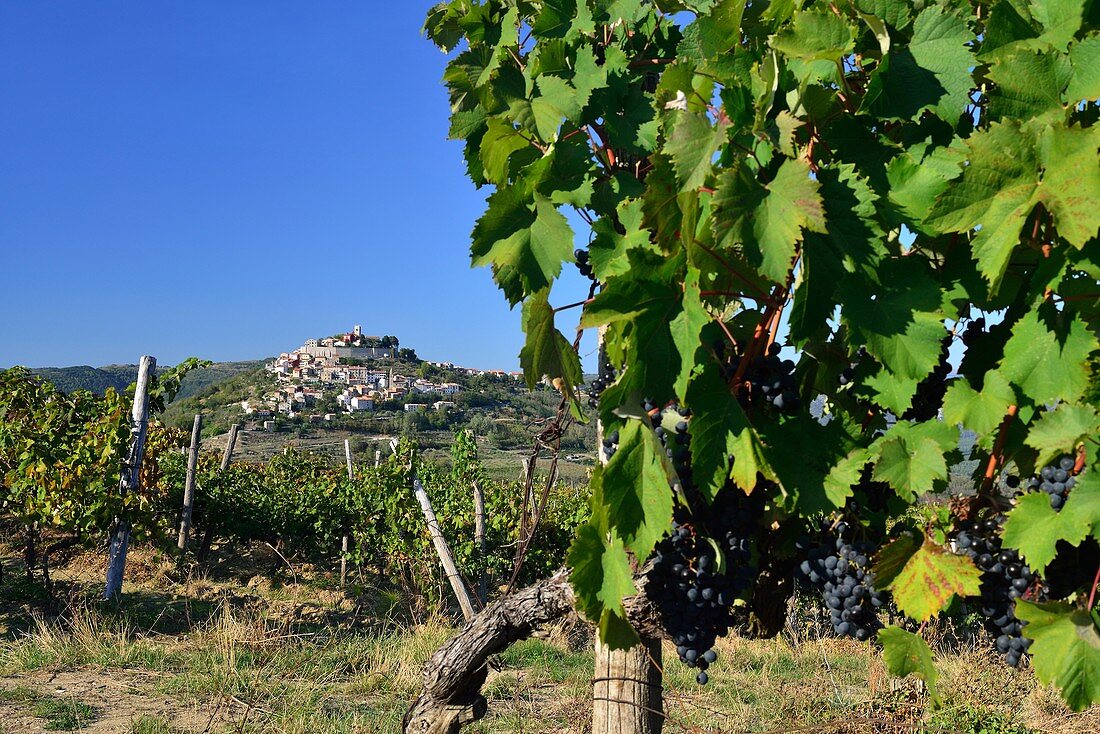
[{"x": 227, "y": 179}]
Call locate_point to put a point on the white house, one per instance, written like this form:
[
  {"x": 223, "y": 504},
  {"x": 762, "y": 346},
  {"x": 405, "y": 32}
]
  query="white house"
[{"x": 361, "y": 403}]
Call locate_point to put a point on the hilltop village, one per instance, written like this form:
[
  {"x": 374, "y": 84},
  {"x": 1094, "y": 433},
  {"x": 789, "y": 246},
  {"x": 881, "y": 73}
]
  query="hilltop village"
[{"x": 356, "y": 373}]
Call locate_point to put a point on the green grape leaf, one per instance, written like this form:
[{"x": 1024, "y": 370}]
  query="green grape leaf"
[
  {"x": 720, "y": 429},
  {"x": 557, "y": 100},
  {"x": 498, "y": 143},
  {"x": 601, "y": 575},
  {"x": 1034, "y": 528},
  {"x": 1084, "y": 501},
  {"x": 1060, "y": 19},
  {"x": 842, "y": 477},
  {"x": 804, "y": 483},
  {"x": 983, "y": 411},
  {"x": 918, "y": 176},
  {"x": 714, "y": 33},
  {"x": 1028, "y": 85},
  {"x": 615, "y": 631},
  {"x": 892, "y": 557},
  {"x": 692, "y": 145},
  {"x": 930, "y": 73},
  {"x": 900, "y": 322},
  {"x": 892, "y": 392},
  {"x": 930, "y": 579},
  {"x": 1058, "y": 431},
  {"x": 610, "y": 250},
  {"x": 894, "y": 12},
  {"x": 547, "y": 353},
  {"x": 643, "y": 308},
  {"x": 996, "y": 191},
  {"x": 1047, "y": 365},
  {"x": 636, "y": 483},
  {"x": 687, "y": 328},
  {"x": 815, "y": 36},
  {"x": 1065, "y": 651},
  {"x": 909, "y": 464},
  {"x": 524, "y": 242},
  {"x": 907, "y": 654},
  {"x": 791, "y": 205},
  {"x": 1071, "y": 180},
  {"x": 1084, "y": 56},
  {"x": 1001, "y": 185}
]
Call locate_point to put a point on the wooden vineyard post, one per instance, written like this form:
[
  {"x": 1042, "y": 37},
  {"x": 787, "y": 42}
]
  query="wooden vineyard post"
[
  {"x": 189, "y": 484},
  {"x": 227, "y": 457},
  {"x": 377, "y": 458},
  {"x": 344, "y": 540},
  {"x": 441, "y": 548},
  {"x": 479, "y": 540},
  {"x": 131, "y": 475},
  {"x": 627, "y": 694},
  {"x": 229, "y": 445},
  {"x": 444, "y": 552},
  {"x": 626, "y": 689},
  {"x": 525, "y": 515}
]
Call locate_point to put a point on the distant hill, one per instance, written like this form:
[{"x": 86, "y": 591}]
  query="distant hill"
[
  {"x": 119, "y": 376},
  {"x": 94, "y": 379}
]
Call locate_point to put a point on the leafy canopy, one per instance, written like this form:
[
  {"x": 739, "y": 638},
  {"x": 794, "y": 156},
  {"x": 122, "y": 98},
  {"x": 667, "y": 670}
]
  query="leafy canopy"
[{"x": 874, "y": 174}]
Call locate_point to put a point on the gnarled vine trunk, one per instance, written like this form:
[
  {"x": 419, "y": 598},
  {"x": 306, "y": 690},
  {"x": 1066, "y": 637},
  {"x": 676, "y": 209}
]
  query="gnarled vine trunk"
[
  {"x": 453, "y": 676},
  {"x": 455, "y": 673}
]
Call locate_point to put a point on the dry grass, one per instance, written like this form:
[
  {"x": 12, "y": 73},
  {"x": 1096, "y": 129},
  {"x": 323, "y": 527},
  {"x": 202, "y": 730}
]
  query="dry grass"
[
  {"x": 250, "y": 646},
  {"x": 246, "y": 673}
]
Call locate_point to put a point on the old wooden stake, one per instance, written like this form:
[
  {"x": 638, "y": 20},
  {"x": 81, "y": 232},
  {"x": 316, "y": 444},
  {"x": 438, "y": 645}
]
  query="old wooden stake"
[
  {"x": 189, "y": 484},
  {"x": 626, "y": 689},
  {"x": 479, "y": 540},
  {"x": 131, "y": 475},
  {"x": 229, "y": 445},
  {"x": 627, "y": 695},
  {"x": 344, "y": 561},
  {"x": 444, "y": 552},
  {"x": 344, "y": 541},
  {"x": 441, "y": 548}
]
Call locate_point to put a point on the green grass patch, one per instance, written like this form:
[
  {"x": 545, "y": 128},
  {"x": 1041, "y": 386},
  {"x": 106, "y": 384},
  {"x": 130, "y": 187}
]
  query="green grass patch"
[
  {"x": 153, "y": 725},
  {"x": 59, "y": 713},
  {"x": 975, "y": 719}
]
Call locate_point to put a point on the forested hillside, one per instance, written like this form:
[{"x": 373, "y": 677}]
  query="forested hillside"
[{"x": 119, "y": 376}]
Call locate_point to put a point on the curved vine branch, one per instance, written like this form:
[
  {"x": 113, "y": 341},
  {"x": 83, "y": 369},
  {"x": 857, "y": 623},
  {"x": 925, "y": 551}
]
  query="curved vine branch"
[{"x": 453, "y": 676}]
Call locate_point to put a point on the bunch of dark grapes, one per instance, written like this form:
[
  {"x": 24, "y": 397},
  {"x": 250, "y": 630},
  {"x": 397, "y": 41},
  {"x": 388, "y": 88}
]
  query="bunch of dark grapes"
[
  {"x": 692, "y": 596},
  {"x": 1005, "y": 578},
  {"x": 610, "y": 444},
  {"x": 973, "y": 333},
  {"x": 693, "y": 592},
  {"x": 840, "y": 569},
  {"x": 1072, "y": 570},
  {"x": 930, "y": 391},
  {"x": 1056, "y": 480},
  {"x": 768, "y": 381},
  {"x": 693, "y": 586},
  {"x": 604, "y": 378},
  {"x": 677, "y": 441},
  {"x": 583, "y": 264},
  {"x": 848, "y": 374}
]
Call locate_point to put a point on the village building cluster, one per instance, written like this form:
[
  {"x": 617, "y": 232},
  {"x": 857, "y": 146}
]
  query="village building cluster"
[{"x": 334, "y": 367}]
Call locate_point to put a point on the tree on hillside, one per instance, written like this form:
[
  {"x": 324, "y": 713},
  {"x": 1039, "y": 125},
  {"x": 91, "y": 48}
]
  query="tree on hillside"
[{"x": 822, "y": 237}]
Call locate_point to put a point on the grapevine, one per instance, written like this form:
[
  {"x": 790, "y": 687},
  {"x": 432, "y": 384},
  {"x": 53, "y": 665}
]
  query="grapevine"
[{"x": 863, "y": 207}]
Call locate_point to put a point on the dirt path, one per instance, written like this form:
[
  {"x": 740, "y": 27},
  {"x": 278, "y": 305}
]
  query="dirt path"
[{"x": 121, "y": 699}]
